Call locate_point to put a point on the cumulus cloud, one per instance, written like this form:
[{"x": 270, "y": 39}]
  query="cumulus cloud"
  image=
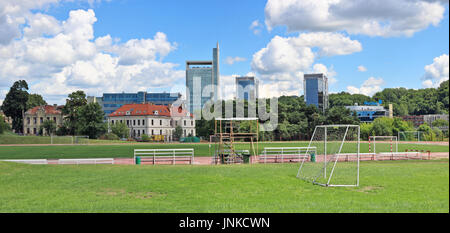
[
  {"x": 59, "y": 57},
  {"x": 232, "y": 60},
  {"x": 362, "y": 69},
  {"x": 369, "y": 17},
  {"x": 285, "y": 59},
  {"x": 437, "y": 72},
  {"x": 369, "y": 87}
]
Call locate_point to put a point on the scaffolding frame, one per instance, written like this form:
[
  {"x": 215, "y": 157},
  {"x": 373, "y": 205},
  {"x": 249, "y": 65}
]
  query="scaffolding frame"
[{"x": 224, "y": 151}]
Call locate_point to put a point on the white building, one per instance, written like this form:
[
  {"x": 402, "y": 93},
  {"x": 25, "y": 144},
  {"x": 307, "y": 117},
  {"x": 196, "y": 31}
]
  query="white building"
[{"x": 152, "y": 119}]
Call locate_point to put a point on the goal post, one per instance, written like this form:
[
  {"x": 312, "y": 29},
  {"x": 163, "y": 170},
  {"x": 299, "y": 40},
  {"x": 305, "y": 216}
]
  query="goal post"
[
  {"x": 337, "y": 156},
  {"x": 81, "y": 140},
  {"x": 383, "y": 144},
  {"x": 412, "y": 136},
  {"x": 61, "y": 139}
]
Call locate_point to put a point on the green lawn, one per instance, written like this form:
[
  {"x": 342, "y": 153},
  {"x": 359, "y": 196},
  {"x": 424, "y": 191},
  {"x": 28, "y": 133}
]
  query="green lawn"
[
  {"x": 126, "y": 150},
  {"x": 388, "y": 186}
]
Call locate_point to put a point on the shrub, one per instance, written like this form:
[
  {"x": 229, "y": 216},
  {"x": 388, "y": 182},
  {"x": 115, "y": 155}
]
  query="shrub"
[
  {"x": 109, "y": 136},
  {"x": 145, "y": 138}
]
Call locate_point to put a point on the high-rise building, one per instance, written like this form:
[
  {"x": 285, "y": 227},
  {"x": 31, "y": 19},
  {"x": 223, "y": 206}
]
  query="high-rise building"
[
  {"x": 202, "y": 80},
  {"x": 316, "y": 90},
  {"x": 110, "y": 102},
  {"x": 247, "y": 88}
]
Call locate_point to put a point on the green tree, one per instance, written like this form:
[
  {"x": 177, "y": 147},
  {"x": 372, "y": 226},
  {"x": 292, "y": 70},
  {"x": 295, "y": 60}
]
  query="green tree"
[
  {"x": 3, "y": 125},
  {"x": 15, "y": 102},
  {"x": 91, "y": 120},
  {"x": 177, "y": 133},
  {"x": 72, "y": 110},
  {"x": 365, "y": 130},
  {"x": 49, "y": 126},
  {"x": 120, "y": 129},
  {"x": 382, "y": 126},
  {"x": 427, "y": 132},
  {"x": 341, "y": 115},
  {"x": 35, "y": 100}
]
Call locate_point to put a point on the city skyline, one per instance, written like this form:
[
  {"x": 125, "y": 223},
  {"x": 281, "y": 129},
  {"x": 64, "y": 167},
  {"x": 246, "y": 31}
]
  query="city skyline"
[{"x": 61, "y": 46}]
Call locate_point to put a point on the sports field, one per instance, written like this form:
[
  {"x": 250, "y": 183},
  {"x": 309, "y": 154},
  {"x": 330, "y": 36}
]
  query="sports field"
[
  {"x": 126, "y": 150},
  {"x": 388, "y": 186}
]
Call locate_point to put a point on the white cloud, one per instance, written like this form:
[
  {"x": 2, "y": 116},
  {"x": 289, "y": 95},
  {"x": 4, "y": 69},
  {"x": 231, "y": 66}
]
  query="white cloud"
[
  {"x": 59, "y": 57},
  {"x": 369, "y": 87},
  {"x": 374, "y": 17},
  {"x": 282, "y": 63},
  {"x": 362, "y": 69},
  {"x": 256, "y": 27},
  {"x": 232, "y": 60},
  {"x": 437, "y": 72}
]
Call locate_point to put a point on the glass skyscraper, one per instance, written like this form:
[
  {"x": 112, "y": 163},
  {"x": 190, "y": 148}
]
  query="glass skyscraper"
[
  {"x": 201, "y": 75},
  {"x": 316, "y": 90},
  {"x": 110, "y": 102},
  {"x": 247, "y": 88}
]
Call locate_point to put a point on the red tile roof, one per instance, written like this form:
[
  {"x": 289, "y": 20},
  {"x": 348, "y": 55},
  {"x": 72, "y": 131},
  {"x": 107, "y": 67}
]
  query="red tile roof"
[
  {"x": 148, "y": 110},
  {"x": 49, "y": 109}
]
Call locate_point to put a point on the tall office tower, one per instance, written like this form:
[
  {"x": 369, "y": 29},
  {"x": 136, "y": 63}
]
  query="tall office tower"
[
  {"x": 202, "y": 80},
  {"x": 316, "y": 90},
  {"x": 247, "y": 88}
]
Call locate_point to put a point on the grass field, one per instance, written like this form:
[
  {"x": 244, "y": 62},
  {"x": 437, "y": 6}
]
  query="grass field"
[
  {"x": 388, "y": 186},
  {"x": 126, "y": 150}
]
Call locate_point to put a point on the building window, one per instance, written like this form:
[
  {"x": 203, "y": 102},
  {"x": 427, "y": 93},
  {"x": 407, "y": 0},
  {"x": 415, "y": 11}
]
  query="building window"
[
  {"x": 41, "y": 120},
  {"x": 34, "y": 130},
  {"x": 160, "y": 132},
  {"x": 134, "y": 122},
  {"x": 48, "y": 118},
  {"x": 152, "y": 132},
  {"x": 34, "y": 120},
  {"x": 112, "y": 122},
  {"x": 128, "y": 122},
  {"x": 192, "y": 123},
  {"x": 160, "y": 122},
  {"x": 152, "y": 121},
  {"x": 184, "y": 122},
  {"x": 139, "y": 122},
  {"x": 28, "y": 120},
  {"x": 143, "y": 122},
  {"x": 54, "y": 119},
  {"x": 28, "y": 130}
]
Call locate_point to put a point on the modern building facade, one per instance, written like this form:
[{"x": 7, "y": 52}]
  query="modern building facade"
[
  {"x": 316, "y": 90},
  {"x": 247, "y": 88},
  {"x": 369, "y": 111},
  {"x": 110, "y": 102},
  {"x": 152, "y": 120},
  {"x": 35, "y": 117},
  {"x": 202, "y": 81}
]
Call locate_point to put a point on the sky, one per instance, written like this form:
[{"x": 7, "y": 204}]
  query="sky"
[{"x": 104, "y": 46}]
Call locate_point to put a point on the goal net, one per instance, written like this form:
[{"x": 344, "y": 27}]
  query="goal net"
[
  {"x": 61, "y": 139},
  {"x": 411, "y": 136},
  {"x": 383, "y": 144},
  {"x": 336, "y": 162},
  {"x": 82, "y": 140}
]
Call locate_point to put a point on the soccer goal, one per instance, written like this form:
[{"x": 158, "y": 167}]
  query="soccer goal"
[
  {"x": 380, "y": 144},
  {"x": 61, "y": 139},
  {"x": 337, "y": 156},
  {"x": 81, "y": 140},
  {"x": 411, "y": 136}
]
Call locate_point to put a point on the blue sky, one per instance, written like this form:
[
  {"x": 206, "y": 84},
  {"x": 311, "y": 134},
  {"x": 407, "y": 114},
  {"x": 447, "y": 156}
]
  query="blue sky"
[{"x": 394, "y": 56}]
